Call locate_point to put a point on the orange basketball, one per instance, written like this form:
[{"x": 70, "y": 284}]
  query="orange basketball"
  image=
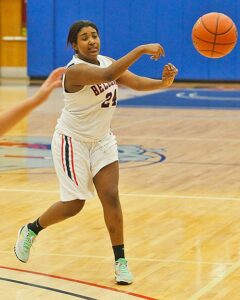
[{"x": 214, "y": 35}]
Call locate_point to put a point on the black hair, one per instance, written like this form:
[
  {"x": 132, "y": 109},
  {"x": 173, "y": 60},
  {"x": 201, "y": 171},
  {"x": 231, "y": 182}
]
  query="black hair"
[{"x": 76, "y": 27}]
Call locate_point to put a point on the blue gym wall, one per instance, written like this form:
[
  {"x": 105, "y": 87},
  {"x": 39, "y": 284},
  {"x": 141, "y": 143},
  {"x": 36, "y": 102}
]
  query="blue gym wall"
[{"x": 125, "y": 24}]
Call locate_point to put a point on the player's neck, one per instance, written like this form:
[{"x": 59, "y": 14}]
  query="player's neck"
[{"x": 89, "y": 60}]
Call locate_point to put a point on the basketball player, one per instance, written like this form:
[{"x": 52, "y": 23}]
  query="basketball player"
[
  {"x": 83, "y": 146},
  {"x": 12, "y": 116}
]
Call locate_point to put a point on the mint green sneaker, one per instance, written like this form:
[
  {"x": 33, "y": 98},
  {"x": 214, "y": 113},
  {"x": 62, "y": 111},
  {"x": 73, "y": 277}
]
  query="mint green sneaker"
[
  {"x": 23, "y": 245},
  {"x": 122, "y": 275}
]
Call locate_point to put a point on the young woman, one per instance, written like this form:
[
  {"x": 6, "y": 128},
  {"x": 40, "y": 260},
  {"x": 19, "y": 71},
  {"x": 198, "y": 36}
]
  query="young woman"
[
  {"x": 15, "y": 114},
  {"x": 83, "y": 146}
]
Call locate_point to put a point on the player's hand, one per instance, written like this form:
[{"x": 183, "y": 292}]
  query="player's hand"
[
  {"x": 168, "y": 74},
  {"x": 54, "y": 79},
  {"x": 155, "y": 50}
]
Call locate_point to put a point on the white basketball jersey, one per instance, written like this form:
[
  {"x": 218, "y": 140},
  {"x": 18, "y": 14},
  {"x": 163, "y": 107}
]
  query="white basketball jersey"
[{"x": 87, "y": 113}]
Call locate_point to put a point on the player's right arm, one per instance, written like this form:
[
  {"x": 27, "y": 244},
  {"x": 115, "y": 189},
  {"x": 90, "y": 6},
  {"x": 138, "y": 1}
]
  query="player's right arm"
[{"x": 83, "y": 74}]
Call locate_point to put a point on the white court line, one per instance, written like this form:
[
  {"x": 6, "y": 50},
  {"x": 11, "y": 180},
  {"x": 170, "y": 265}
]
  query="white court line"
[
  {"x": 214, "y": 282},
  {"x": 177, "y": 138},
  {"x": 160, "y": 117},
  {"x": 182, "y": 197},
  {"x": 28, "y": 191},
  {"x": 130, "y": 195},
  {"x": 169, "y": 261}
]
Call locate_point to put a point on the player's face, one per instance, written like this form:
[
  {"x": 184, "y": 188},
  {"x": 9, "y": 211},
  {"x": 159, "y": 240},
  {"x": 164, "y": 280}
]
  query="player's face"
[{"x": 88, "y": 44}]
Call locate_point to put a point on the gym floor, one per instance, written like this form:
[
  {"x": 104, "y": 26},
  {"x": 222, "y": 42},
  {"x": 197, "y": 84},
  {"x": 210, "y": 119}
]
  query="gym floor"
[{"x": 179, "y": 188}]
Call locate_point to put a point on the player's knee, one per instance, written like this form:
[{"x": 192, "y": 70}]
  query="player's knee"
[
  {"x": 111, "y": 199},
  {"x": 73, "y": 208}
]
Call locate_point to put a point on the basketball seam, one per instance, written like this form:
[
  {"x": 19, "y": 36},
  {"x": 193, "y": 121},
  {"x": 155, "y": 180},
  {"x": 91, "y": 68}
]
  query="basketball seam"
[
  {"x": 212, "y": 51},
  {"x": 213, "y": 32},
  {"x": 211, "y": 42},
  {"x": 215, "y": 35}
]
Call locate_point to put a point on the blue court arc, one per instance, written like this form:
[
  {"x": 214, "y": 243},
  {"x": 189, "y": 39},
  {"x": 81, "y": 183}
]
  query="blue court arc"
[{"x": 193, "y": 98}]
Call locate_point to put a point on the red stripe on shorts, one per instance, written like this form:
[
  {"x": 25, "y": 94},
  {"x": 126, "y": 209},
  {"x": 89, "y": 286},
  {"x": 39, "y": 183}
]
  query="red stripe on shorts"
[{"x": 72, "y": 161}]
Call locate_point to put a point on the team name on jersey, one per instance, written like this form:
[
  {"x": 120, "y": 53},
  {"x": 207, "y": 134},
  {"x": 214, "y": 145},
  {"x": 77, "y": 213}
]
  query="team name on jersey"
[{"x": 100, "y": 88}]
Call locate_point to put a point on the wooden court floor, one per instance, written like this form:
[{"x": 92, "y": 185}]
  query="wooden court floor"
[{"x": 180, "y": 193}]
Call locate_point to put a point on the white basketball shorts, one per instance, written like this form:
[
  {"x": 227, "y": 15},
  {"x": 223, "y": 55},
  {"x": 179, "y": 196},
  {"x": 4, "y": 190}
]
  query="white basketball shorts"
[{"x": 76, "y": 163}]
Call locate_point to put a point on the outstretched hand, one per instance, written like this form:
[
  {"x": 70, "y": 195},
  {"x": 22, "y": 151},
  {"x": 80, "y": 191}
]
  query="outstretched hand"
[
  {"x": 168, "y": 74},
  {"x": 15, "y": 114},
  {"x": 53, "y": 81}
]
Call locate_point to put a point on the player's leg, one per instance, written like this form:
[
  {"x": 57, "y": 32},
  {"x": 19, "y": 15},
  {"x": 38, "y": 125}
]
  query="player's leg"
[
  {"x": 72, "y": 168},
  {"x": 106, "y": 184},
  {"x": 58, "y": 212}
]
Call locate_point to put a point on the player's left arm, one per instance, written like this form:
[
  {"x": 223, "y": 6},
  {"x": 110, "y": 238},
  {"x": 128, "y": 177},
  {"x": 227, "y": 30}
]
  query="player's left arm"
[
  {"x": 12, "y": 116},
  {"x": 140, "y": 83}
]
